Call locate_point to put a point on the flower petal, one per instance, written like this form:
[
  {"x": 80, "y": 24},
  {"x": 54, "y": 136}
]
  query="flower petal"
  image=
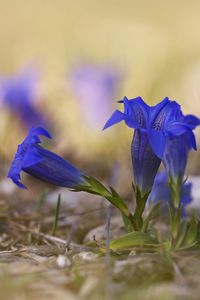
[
  {"x": 137, "y": 110},
  {"x": 15, "y": 177},
  {"x": 40, "y": 131},
  {"x": 157, "y": 140},
  {"x": 191, "y": 140},
  {"x": 54, "y": 169},
  {"x": 116, "y": 117},
  {"x": 31, "y": 158},
  {"x": 177, "y": 128},
  {"x": 191, "y": 120},
  {"x": 155, "y": 110},
  {"x": 145, "y": 162},
  {"x": 164, "y": 113}
]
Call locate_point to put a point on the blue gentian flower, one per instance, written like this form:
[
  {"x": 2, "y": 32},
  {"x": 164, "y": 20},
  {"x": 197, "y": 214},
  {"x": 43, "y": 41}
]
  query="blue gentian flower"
[
  {"x": 18, "y": 97},
  {"x": 95, "y": 86},
  {"x": 43, "y": 164},
  {"x": 173, "y": 141},
  {"x": 176, "y": 153},
  {"x": 161, "y": 192},
  {"x": 144, "y": 119},
  {"x": 156, "y": 128}
]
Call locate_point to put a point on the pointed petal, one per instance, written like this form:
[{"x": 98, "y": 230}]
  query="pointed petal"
[
  {"x": 191, "y": 120},
  {"x": 137, "y": 110},
  {"x": 40, "y": 131},
  {"x": 191, "y": 140},
  {"x": 157, "y": 141},
  {"x": 19, "y": 184},
  {"x": 155, "y": 110},
  {"x": 16, "y": 178},
  {"x": 177, "y": 128},
  {"x": 163, "y": 113},
  {"x": 116, "y": 117}
]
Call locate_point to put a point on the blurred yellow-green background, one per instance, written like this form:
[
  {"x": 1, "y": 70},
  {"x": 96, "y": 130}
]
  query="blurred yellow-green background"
[{"x": 154, "y": 45}]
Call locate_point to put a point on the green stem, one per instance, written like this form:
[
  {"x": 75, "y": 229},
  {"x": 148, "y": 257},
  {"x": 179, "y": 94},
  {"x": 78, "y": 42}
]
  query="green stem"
[
  {"x": 175, "y": 222},
  {"x": 139, "y": 209},
  {"x": 55, "y": 224},
  {"x": 175, "y": 185}
]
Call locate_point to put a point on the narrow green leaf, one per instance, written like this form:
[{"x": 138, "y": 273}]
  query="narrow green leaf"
[
  {"x": 133, "y": 239},
  {"x": 127, "y": 223},
  {"x": 93, "y": 186},
  {"x": 182, "y": 231},
  {"x": 192, "y": 232},
  {"x": 151, "y": 215}
]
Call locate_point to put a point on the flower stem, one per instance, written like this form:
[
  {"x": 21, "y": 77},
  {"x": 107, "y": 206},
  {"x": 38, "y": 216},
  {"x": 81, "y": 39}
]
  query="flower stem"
[{"x": 140, "y": 206}]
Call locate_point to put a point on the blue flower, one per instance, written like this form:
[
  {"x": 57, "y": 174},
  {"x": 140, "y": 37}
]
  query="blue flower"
[
  {"x": 157, "y": 129},
  {"x": 18, "y": 97},
  {"x": 144, "y": 119},
  {"x": 176, "y": 153},
  {"x": 173, "y": 142},
  {"x": 161, "y": 192},
  {"x": 43, "y": 164}
]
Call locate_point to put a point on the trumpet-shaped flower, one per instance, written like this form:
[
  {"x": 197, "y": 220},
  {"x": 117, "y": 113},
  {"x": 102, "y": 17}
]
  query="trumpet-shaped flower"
[
  {"x": 143, "y": 118},
  {"x": 176, "y": 152},
  {"x": 156, "y": 129},
  {"x": 43, "y": 164}
]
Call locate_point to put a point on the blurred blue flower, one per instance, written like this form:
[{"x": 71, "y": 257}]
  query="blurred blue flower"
[
  {"x": 95, "y": 88},
  {"x": 176, "y": 152},
  {"x": 18, "y": 97},
  {"x": 161, "y": 192},
  {"x": 43, "y": 164},
  {"x": 156, "y": 129}
]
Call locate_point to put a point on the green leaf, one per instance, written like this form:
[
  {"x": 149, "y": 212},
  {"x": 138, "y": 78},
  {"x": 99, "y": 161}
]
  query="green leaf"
[
  {"x": 182, "y": 231},
  {"x": 140, "y": 206},
  {"x": 175, "y": 186},
  {"x": 175, "y": 220},
  {"x": 133, "y": 239},
  {"x": 93, "y": 186},
  {"x": 192, "y": 232},
  {"x": 127, "y": 223},
  {"x": 151, "y": 215}
]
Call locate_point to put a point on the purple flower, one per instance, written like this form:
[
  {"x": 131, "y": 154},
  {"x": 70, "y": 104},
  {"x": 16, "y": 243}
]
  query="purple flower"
[
  {"x": 18, "y": 97},
  {"x": 95, "y": 88},
  {"x": 43, "y": 164}
]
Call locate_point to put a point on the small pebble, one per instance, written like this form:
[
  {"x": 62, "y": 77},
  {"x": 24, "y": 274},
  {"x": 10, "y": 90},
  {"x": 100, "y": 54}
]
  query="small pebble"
[{"x": 63, "y": 261}]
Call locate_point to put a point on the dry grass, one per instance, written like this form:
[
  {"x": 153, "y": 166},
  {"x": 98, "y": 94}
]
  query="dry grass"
[{"x": 36, "y": 265}]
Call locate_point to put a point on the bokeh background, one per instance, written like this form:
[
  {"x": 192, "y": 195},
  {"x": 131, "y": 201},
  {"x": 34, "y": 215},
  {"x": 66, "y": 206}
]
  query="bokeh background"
[{"x": 84, "y": 56}]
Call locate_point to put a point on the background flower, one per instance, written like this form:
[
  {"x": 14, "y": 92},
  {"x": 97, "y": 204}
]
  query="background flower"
[
  {"x": 95, "y": 87},
  {"x": 161, "y": 192},
  {"x": 19, "y": 97}
]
